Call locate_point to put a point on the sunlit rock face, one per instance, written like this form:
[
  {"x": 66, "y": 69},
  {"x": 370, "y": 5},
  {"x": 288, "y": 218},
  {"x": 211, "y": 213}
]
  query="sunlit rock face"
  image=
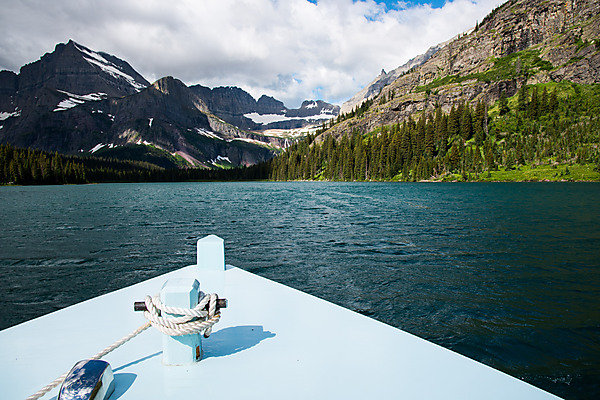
[{"x": 521, "y": 42}]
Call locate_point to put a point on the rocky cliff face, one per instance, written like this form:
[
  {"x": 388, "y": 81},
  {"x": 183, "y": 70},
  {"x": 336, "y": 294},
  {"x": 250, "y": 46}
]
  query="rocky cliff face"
[
  {"x": 226, "y": 102},
  {"x": 521, "y": 42},
  {"x": 9, "y": 84},
  {"x": 33, "y": 102},
  {"x": 269, "y": 105}
]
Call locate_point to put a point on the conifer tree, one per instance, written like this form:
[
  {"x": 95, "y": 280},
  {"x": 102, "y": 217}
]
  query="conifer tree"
[
  {"x": 533, "y": 107},
  {"x": 553, "y": 102},
  {"x": 453, "y": 122},
  {"x": 503, "y": 104},
  {"x": 429, "y": 139},
  {"x": 406, "y": 145},
  {"x": 466, "y": 123},
  {"x": 522, "y": 99},
  {"x": 442, "y": 135},
  {"x": 480, "y": 123},
  {"x": 543, "y": 106},
  {"x": 455, "y": 157}
]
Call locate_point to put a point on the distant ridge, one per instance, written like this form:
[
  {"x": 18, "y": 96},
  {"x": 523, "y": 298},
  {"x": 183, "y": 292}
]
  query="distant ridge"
[
  {"x": 237, "y": 107},
  {"x": 385, "y": 78}
]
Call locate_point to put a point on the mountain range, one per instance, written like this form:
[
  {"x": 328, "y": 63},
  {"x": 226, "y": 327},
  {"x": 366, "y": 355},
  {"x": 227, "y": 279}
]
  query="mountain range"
[
  {"x": 76, "y": 100},
  {"x": 239, "y": 108}
]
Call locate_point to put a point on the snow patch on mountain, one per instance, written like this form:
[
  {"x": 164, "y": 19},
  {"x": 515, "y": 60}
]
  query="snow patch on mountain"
[
  {"x": 219, "y": 160},
  {"x": 209, "y": 134},
  {"x": 97, "y": 147},
  {"x": 101, "y": 145},
  {"x": 75, "y": 100},
  {"x": 6, "y": 115},
  {"x": 145, "y": 142},
  {"x": 110, "y": 68}
]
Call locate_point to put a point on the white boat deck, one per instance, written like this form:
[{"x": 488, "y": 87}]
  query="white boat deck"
[{"x": 273, "y": 342}]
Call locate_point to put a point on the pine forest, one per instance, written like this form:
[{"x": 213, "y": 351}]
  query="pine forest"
[{"x": 544, "y": 132}]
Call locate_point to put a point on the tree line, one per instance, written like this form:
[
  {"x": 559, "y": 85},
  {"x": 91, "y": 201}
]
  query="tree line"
[{"x": 35, "y": 167}]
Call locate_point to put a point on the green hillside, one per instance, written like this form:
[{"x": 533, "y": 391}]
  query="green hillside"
[{"x": 544, "y": 132}]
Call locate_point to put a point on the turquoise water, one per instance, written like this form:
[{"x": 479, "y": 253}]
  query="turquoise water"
[{"x": 505, "y": 273}]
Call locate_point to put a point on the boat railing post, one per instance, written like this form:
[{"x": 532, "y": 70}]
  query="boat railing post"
[{"x": 186, "y": 349}]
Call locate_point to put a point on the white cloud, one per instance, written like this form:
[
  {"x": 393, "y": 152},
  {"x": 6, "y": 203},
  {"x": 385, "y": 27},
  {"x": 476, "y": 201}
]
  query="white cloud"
[{"x": 289, "y": 49}]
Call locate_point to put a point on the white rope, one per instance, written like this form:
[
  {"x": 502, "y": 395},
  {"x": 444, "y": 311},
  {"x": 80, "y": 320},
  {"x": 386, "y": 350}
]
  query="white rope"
[
  {"x": 192, "y": 320},
  {"x": 101, "y": 354}
]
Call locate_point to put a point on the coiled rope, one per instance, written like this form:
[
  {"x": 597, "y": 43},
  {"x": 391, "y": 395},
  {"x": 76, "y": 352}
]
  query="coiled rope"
[{"x": 192, "y": 320}]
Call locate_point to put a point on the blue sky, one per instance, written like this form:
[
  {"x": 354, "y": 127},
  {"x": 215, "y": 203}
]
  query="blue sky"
[
  {"x": 289, "y": 49},
  {"x": 403, "y": 4}
]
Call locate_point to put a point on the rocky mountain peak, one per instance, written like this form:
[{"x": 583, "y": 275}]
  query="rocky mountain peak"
[
  {"x": 226, "y": 101},
  {"x": 169, "y": 86},
  {"x": 74, "y": 68},
  {"x": 269, "y": 105},
  {"x": 315, "y": 108},
  {"x": 309, "y": 104},
  {"x": 164, "y": 84}
]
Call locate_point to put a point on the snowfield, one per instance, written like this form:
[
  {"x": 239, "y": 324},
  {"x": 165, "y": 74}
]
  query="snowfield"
[
  {"x": 220, "y": 158},
  {"x": 265, "y": 119}
]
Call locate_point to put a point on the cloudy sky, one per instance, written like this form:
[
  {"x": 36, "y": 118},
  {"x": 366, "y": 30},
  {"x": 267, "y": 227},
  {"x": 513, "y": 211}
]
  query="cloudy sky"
[{"x": 290, "y": 49}]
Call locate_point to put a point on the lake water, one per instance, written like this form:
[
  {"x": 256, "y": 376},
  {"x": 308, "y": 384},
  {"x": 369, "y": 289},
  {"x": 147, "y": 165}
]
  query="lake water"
[{"x": 505, "y": 273}]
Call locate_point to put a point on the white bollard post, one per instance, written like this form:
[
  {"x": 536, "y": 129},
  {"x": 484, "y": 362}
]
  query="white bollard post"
[
  {"x": 186, "y": 349},
  {"x": 211, "y": 253}
]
